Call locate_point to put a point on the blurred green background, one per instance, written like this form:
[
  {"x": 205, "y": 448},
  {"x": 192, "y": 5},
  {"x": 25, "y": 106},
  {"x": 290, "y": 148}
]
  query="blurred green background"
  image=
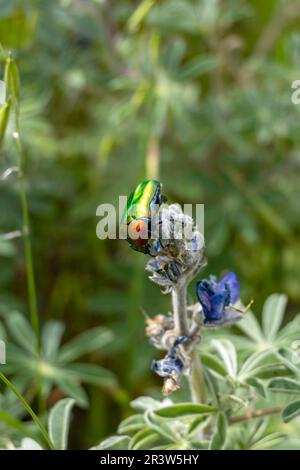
[{"x": 194, "y": 92}]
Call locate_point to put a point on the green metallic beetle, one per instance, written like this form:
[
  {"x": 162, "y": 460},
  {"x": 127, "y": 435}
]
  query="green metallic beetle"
[{"x": 142, "y": 205}]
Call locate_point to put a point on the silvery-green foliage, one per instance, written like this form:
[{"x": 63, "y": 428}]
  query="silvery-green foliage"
[
  {"x": 58, "y": 427},
  {"x": 251, "y": 395},
  {"x": 56, "y": 364},
  {"x": 253, "y": 389}
]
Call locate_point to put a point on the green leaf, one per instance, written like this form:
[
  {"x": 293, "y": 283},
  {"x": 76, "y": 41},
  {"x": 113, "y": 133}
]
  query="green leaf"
[
  {"x": 59, "y": 422},
  {"x": 290, "y": 332},
  {"x": 145, "y": 404},
  {"x": 12, "y": 79},
  {"x": 184, "y": 409},
  {"x": 139, "y": 14},
  {"x": 131, "y": 424},
  {"x": 196, "y": 423},
  {"x": 29, "y": 444},
  {"x": 268, "y": 442},
  {"x": 258, "y": 385},
  {"x": 51, "y": 338},
  {"x": 17, "y": 28},
  {"x": 21, "y": 331},
  {"x": 19, "y": 360},
  {"x": 4, "y": 115},
  {"x": 7, "y": 247},
  {"x": 85, "y": 343},
  {"x": 284, "y": 385},
  {"x": 213, "y": 364},
  {"x": 143, "y": 439},
  {"x": 91, "y": 373},
  {"x": 291, "y": 411},
  {"x": 273, "y": 313},
  {"x": 213, "y": 386},
  {"x": 113, "y": 443},
  {"x": 250, "y": 326},
  {"x": 72, "y": 389},
  {"x": 218, "y": 439},
  {"x": 228, "y": 353},
  {"x": 194, "y": 445},
  {"x": 289, "y": 364},
  {"x": 271, "y": 370},
  {"x": 13, "y": 422},
  {"x": 252, "y": 363},
  {"x": 198, "y": 66},
  {"x": 161, "y": 425}
]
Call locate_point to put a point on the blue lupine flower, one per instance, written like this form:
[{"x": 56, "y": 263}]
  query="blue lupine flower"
[{"x": 217, "y": 299}]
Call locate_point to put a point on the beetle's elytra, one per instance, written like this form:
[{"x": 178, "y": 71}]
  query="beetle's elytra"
[{"x": 143, "y": 204}]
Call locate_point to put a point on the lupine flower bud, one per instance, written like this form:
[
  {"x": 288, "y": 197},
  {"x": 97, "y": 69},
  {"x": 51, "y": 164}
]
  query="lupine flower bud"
[{"x": 178, "y": 250}]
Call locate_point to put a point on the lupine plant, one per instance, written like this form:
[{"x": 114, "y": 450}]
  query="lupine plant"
[
  {"x": 244, "y": 387},
  {"x": 201, "y": 90}
]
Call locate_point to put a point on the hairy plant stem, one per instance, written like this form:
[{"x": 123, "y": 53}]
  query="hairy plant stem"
[
  {"x": 254, "y": 414},
  {"x": 26, "y": 232},
  {"x": 196, "y": 382},
  {"x": 179, "y": 293}
]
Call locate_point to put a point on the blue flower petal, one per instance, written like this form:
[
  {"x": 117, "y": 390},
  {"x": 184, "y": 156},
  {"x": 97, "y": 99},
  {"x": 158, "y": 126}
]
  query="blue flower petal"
[
  {"x": 216, "y": 297},
  {"x": 233, "y": 284}
]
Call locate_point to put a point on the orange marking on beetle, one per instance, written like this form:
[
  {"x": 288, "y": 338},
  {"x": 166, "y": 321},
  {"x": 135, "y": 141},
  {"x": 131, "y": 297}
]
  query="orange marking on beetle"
[{"x": 140, "y": 229}]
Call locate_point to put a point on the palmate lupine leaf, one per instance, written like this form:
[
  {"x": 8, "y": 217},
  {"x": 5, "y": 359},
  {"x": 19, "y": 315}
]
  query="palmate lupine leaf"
[
  {"x": 53, "y": 367},
  {"x": 85, "y": 343}
]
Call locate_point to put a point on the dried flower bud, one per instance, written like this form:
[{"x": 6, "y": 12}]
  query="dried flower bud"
[{"x": 179, "y": 247}]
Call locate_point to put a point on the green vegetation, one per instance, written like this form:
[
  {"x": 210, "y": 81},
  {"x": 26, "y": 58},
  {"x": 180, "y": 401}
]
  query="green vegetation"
[{"x": 100, "y": 95}]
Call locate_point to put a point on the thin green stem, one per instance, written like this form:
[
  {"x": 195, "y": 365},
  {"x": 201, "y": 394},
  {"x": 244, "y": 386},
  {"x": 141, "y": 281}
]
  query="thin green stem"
[
  {"x": 26, "y": 233},
  {"x": 29, "y": 410}
]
